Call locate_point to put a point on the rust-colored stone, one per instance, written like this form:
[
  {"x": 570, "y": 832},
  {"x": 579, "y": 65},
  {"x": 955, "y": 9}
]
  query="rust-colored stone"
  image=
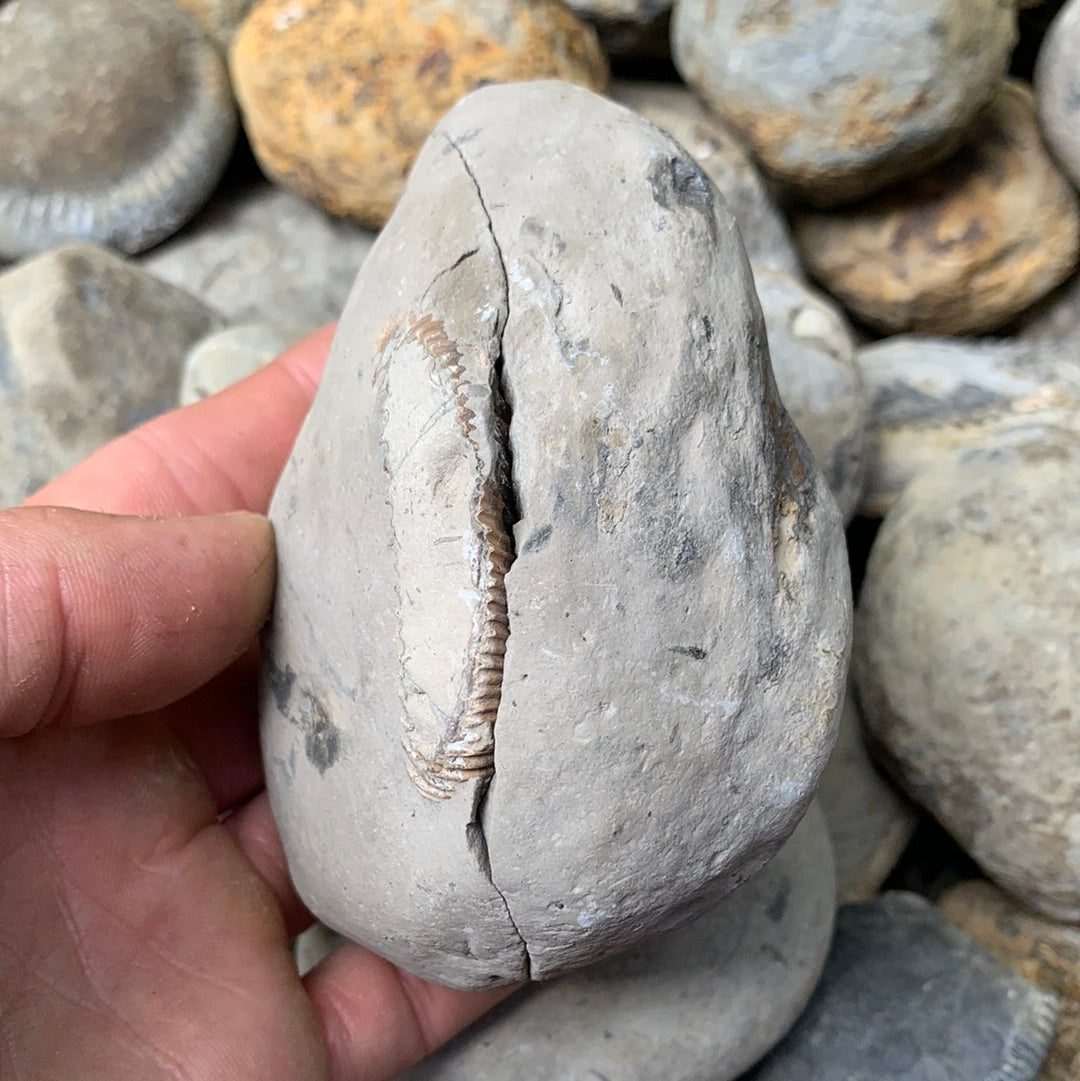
[
  {"x": 961, "y": 249},
  {"x": 338, "y": 95}
]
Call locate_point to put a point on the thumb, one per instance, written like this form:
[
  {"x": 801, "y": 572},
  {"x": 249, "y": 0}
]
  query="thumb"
[{"x": 103, "y": 616}]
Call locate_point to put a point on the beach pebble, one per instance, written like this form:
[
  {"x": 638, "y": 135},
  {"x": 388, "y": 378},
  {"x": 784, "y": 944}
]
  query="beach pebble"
[
  {"x": 218, "y": 18},
  {"x": 1057, "y": 89},
  {"x": 1041, "y": 950},
  {"x": 677, "y": 606},
  {"x": 870, "y": 820},
  {"x": 906, "y": 997},
  {"x": 90, "y": 346},
  {"x": 719, "y": 152},
  {"x": 313, "y": 946},
  {"x": 706, "y": 1001},
  {"x": 839, "y": 99},
  {"x": 117, "y": 122},
  {"x": 338, "y": 96},
  {"x": 228, "y": 355},
  {"x": 259, "y": 254},
  {"x": 929, "y": 396},
  {"x": 965, "y": 656},
  {"x": 813, "y": 360},
  {"x": 962, "y": 248}
]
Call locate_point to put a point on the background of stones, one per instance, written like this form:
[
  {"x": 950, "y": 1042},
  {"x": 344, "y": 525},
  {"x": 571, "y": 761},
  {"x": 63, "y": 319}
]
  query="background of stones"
[{"x": 92, "y": 342}]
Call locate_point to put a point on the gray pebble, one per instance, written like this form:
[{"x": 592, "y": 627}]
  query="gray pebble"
[
  {"x": 720, "y": 153},
  {"x": 929, "y": 396},
  {"x": 839, "y": 99},
  {"x": 812, "y": 349},
  {"x": 965, "y": 654},
  {"x": 667, "y": 692},
  {"x": 258, "y": 254},
  {"x": 1057, "y": 89},
  {"x": 117, "y": 122},
  {"x": 90, "y": 346},
  {"x": 699, "y": 1004},
  {"x": 227, "y": 356},
  {"x": 870, "y": 820},
  {"x": 907, "y": 997}
]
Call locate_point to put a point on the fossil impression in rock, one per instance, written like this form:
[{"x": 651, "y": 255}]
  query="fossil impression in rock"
[{"x": 562, "y": 615}]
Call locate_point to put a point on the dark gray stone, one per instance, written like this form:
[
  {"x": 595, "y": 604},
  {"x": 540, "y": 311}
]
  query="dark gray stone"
[
  {"x": 907, "y": 997},
  {"x": 90, "y": 346},
  {"x": 117, "y": 122}
]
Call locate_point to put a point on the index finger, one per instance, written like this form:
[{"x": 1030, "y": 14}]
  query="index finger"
[{"x": 221, "y": 454}]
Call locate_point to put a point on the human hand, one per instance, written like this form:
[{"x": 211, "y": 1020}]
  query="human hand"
[{"x": 142, "y": 935}]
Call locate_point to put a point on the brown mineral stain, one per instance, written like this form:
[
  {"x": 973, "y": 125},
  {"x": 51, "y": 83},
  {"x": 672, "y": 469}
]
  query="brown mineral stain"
[{"x": 337, "y": 103}]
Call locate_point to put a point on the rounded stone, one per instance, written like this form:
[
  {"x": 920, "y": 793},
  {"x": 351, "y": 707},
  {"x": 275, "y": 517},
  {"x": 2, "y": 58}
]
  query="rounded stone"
[
  {"x": 839, "y": 99},
  {"x": 930, "y": 396},
  {"x": 870, "y": 821},
  {"x": 228, "y": 355},
  {"x": 259, "y": 254},
  {"x": 90, "y": 346},
  {"x": 1057, "y": 89},
  {"x": 906, "y": 997},
  {"x": 719, "y": 152},
  {"x": 813, "y": 360},
  {"x": 218, "y": 18},
  {"x": 1041, "y": 950},
  {"x": 340, "y": 124},
  {"x": 706, "y": 1001},
  {"x": 966, "y": 637},
  {"x": 532, "y": 693},
  {"x": 962, "y": 248},
  {"x": 118, "y": 122}
]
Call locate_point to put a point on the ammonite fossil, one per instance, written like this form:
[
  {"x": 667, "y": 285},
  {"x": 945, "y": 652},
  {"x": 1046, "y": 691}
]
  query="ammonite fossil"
[{"x": 562, "y": 614}]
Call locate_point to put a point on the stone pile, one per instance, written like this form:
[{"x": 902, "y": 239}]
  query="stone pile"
[{"x": 906, "y": 194}]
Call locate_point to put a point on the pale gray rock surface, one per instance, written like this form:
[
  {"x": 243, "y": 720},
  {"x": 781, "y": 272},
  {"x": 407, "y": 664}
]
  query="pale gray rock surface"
[
  {"x": 227, "y": 356},
  {"x": 719, "y": 152},
  {"x": 90, "y": 346},
  {"x": 118, "y": 122},
  {"x": 870, "y": 820},
  {"x": 906, "y": 997},
  {"x": 678, "y": 606},
  {"x": 930, "y": 396},
  {"x": 1057, "y": 89},
  {"x": 812, "y": 349},
  {"x": 965, "y": 656},
  {"x": 699, "y": 1004},
  {"x": 839, "y": 99},
  {"x": 259, "y": 254}
]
